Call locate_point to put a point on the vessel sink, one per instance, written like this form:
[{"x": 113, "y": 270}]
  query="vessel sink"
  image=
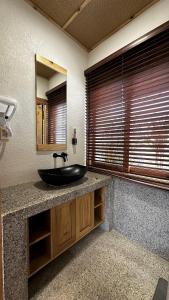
[{"x": 62, "y": 176}]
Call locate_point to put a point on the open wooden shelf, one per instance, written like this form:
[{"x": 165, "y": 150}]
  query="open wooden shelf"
[
  {"x": 38, "y": 236},
  {"x": 98, "y": 215},
  {"x": 97, "y": 222},
  {"x": 39, "y": 255},
  {"x": 39, "y": 227},
  {"x": 98, "y": 197},
  {"x": 97, "y": 205},
  {"x": 39, "y": 263},
  {"x": 39, "y": 241}
]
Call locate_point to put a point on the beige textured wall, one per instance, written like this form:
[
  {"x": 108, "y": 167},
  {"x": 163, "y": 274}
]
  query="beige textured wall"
[
  {"x": 24, "y": 32},
  {"x": 42, "y": 86},
  {"x": 56, "y": 79},
  {"x": 147, "y": 21}
]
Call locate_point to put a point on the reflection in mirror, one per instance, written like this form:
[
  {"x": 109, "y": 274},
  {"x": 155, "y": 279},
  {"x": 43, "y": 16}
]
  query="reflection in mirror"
[{"x": 51, "y": 106}]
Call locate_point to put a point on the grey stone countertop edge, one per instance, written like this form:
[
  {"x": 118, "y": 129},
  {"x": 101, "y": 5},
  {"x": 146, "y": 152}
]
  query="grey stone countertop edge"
[{"x": 48, "y": 197}]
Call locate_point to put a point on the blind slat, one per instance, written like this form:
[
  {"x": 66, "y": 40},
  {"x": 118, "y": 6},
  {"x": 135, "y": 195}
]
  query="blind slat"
[{"x": 57, "y": 111}]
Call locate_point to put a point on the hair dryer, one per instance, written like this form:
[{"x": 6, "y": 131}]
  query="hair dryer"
[{"x": 7, "y": 109}]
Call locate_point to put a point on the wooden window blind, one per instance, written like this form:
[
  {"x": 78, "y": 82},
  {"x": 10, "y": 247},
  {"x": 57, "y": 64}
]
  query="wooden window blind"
[
  {"x": 128, "y": 111},
  {"x": 57, "y": 110}
]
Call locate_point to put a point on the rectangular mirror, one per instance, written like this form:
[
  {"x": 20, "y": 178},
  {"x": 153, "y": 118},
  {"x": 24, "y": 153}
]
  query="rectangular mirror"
[{"x": 51, "y": 105}]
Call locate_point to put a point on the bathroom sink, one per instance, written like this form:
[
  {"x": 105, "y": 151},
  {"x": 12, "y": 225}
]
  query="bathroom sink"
[{"x": 62, "y": 176}]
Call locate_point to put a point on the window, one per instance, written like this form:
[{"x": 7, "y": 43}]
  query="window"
[{"x": 128, "y": 111}]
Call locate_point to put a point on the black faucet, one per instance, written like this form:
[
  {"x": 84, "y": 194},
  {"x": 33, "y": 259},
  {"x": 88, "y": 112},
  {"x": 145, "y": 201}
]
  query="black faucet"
[{"x": 63, "y": 155}]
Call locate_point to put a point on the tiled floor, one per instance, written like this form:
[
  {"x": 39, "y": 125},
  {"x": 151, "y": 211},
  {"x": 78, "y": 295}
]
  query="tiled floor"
[{"x": 103, "y": 266}]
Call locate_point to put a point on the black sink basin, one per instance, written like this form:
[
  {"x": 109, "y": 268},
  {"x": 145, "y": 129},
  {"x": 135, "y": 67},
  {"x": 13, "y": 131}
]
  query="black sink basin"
[{"x": 62, "y": 176}]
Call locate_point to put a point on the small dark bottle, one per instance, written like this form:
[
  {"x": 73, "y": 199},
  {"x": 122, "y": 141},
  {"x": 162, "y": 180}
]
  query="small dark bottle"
[{"x": 74, "y": 139}]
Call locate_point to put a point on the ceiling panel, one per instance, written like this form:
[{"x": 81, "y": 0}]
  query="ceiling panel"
[
  {"x": 91, "y": 21},
  {"x": 101, "y": 17},
  {"x": 59, "y": 10}
]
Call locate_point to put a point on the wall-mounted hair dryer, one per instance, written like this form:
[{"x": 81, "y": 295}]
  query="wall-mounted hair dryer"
[{"x": 7, "y": 109}]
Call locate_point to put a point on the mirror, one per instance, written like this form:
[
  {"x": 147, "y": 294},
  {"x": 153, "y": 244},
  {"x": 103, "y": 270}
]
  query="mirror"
[{"x": 51, "y": 105}]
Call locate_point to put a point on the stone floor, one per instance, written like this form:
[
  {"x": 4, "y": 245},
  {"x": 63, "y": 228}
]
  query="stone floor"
[{"x": 102, "y": 266}]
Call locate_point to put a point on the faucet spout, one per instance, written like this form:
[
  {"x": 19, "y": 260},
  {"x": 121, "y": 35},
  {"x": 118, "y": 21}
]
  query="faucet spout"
[{"x": 63, "y": 155}]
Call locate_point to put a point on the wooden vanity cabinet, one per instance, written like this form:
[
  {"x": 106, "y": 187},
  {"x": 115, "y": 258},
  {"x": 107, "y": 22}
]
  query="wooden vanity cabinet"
[
  {"x": 55, "y": 230},
  {"x": 63, "y": 226}
]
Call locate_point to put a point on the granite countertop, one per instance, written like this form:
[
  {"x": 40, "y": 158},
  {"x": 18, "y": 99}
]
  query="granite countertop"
[{"x": 31, "y": 198}]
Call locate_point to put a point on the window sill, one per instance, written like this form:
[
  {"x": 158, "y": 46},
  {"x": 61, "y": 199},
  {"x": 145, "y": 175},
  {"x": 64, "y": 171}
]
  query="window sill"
[{"x": 149, "y": 181}]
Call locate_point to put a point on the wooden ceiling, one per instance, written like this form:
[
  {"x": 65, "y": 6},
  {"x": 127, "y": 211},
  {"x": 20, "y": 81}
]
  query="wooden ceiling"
[{"x": 91, "y": 21}]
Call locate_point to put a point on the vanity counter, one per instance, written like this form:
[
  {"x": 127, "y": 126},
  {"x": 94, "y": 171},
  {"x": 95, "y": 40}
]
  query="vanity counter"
[{"x": 30, "y": 198}]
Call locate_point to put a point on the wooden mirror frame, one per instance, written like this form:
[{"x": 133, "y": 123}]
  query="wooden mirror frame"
[{"x": 57, "y": 68}]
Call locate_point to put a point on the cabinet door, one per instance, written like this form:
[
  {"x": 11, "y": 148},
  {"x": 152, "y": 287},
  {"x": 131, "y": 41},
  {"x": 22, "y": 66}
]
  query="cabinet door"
[
  {"x": 63, "y": 226},
  {"x": 84, "y": 215}
]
